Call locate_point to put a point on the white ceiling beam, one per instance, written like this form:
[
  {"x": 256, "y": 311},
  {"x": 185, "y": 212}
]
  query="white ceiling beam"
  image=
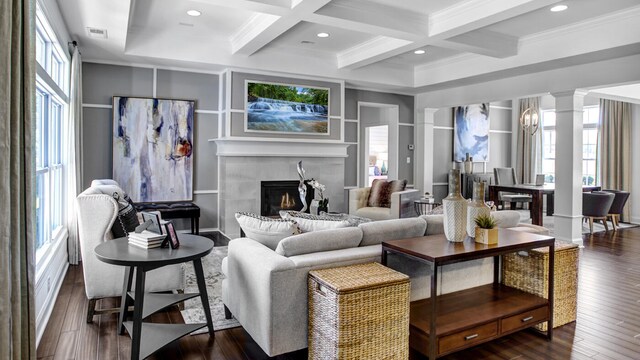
[
  {"x": 450, "y": 22},
  {"x": 276, "y": 7},
  {"x": 262, "y": 29},
  {"x": 483, "y": 42},
  {"x": 371, "y": 51}
]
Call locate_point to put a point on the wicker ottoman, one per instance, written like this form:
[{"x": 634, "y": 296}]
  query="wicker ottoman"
[
  {"x": 528, "y": 272},
  {"x": 358, "y": 312}
]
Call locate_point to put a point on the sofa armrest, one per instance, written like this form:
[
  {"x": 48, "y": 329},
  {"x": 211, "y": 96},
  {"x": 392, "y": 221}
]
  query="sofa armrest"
[
  {"x": 358, "y": 198},
  {"x": 402, "y": 203}
]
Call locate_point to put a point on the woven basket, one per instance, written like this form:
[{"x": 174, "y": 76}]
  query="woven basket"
[
  {"x": 528, "y": 272},
  {"x": 358, "y": 312}
]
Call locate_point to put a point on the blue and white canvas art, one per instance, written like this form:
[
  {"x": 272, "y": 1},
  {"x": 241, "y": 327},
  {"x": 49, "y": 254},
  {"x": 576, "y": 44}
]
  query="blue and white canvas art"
[
  {"x": 153, "y": 148},
  {"x": 471, "y": 132},
  {"x": 277, "y": 108}
]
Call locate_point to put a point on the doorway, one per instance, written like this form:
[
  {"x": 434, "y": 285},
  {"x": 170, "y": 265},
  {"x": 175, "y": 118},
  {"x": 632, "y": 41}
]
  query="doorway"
[
  {"x": 378, "y": 158},
  {"x": 377, "y": 150}
]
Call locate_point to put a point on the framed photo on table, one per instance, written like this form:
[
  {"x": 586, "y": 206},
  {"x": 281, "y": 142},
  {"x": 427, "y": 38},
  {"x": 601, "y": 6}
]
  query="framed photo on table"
[
  {"x": 155, "y": 219},
  {"x": 172, "y": 236}
]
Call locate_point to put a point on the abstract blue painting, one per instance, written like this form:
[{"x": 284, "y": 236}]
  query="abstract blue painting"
[
  {"x": 471, "y": 132},
  {"x": 278, "y": 108},
  {"x": 153, "y": 148}
]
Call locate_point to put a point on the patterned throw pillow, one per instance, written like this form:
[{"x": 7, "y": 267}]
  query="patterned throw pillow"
[
  {"x": 127, "y": 218},
  {"x": 380, "y": 194},
  {"x": 267, "y": 231},
  {"x": 308, "y": 222}
]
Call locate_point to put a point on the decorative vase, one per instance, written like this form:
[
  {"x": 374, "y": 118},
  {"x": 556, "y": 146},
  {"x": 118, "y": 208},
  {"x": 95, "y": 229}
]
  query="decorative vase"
[
  {"x": 454, "y": 210},
  {"x": 486, "y": 236},
  {"x": 383, "y": 170},
  {"x": 468, "y": 165},
  {"x": 476, "y": 207}
]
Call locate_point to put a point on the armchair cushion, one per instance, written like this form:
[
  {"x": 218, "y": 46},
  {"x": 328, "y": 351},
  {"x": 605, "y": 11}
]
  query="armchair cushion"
[
  {"x": 265, "y": 230},
  {"x": 380, "y": 194},
  {"x": 318, "y": 241}
]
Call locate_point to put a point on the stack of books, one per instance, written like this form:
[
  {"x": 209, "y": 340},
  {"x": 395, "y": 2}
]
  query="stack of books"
[{"x": 146, "y": 239}]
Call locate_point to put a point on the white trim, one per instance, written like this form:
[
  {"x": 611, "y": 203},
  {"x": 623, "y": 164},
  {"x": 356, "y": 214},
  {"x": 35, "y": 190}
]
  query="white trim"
[
  {"x": 97, "y": 106},
  {"x": 405, "y": 124},
  {"x": 443, "y": 128},
  {"x": 277, "y": 140},
  {"x": 613, "y": 97},
  {"x": 351, "y": 143},
  {"x": 394, "y": 127},
  {"x": 351, "y": 120},
  {"x": 362, "y": 88},
  {"x": 280, "y": 148},
  {"x": 501, "y": 131},
  {"x": 149, "y": 66},
  {"x": 567, "y": 216},
  {"x": 410, "y": 186},
  {"x": 236, "y": 111},
  {"x": 342, "y": 101},
  {"x": 350, "y": 187},
  {"x": 440, "y": 184},
  {"x": 215, "y": 112},
  {"x": 635, "y": 220},
  {"x": 204, "y": 192},
  {"x": 287, "y": 75},
  {"x": 155, "y": 82},
  {"x": 499, "y": 107}
]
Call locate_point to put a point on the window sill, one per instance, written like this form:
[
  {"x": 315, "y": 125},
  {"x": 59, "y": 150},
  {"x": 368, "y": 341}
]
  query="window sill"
[{"x": 45, "y": 254}]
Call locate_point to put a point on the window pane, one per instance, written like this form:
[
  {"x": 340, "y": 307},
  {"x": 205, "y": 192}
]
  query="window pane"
[
  {"x": 55, "y": 132},
  {"x": 549, "y": 118},
  {"x": 40, "y": 203},
  {"x": 56, "y": 199},
  {"x": 590, "y": 115},
  {"x": 41, "y": 49}
]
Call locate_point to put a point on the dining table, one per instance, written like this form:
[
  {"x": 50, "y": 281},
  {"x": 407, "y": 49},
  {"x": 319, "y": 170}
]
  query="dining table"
[{"x": 537, "y": 192}]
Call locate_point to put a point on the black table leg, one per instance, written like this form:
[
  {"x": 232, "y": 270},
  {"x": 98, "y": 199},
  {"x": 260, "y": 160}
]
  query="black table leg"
[
  {"x": 138, "y": 306},
  {"x": 202, "y": 289},
  {"x": 197, "y": 226},
  {"x": 124, "y": 302},
  {"x": 550, "y": 204}
]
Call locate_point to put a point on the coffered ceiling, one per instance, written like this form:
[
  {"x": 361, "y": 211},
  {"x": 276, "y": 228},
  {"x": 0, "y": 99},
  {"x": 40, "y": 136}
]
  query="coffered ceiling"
[{"x": 371, "y": 43}]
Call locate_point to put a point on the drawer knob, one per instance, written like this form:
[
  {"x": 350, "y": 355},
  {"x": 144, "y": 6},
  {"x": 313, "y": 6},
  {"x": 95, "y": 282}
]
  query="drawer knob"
[
  {"x": 527, "y": 318},
  {"x": 469, "y": 337}
]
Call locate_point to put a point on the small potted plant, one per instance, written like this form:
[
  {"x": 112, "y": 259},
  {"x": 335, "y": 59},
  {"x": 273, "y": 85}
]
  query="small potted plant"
[{"x": 486, "y": 229}]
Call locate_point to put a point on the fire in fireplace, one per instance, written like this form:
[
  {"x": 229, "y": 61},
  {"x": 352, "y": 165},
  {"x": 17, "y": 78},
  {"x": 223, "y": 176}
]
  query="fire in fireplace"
[{"x": 282, "y": 195}]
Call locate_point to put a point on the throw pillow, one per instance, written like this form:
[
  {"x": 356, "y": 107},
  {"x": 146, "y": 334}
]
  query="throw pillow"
[
  {"x": 264, "y": 230},
  {"x": 381, "y": 190},
  {"x": 127, "y": 218},
  {"x": 308, "y": 223}
]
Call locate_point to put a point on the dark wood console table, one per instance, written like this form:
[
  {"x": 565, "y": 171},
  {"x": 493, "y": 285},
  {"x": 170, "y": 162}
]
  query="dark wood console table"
[
  {"x": 146, "y": 337},
  {"x": 480, "y": 314}
]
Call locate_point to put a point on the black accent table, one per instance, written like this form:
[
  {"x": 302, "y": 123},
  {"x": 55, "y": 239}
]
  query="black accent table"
[{"x": 146, "y": 338}]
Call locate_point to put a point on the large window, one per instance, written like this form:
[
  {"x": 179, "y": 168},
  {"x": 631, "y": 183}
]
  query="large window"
[
  {"x": 589, "y": 144},
  {"x": 51, "y": 113}
]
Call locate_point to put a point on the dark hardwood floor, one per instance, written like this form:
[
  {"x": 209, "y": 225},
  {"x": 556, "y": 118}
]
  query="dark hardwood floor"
[{"x": 608, "y": 325}]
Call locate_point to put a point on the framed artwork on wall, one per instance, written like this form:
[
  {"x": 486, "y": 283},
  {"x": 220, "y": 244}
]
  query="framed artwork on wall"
[
  {"x": 153, "y": 148},
  {"x": 471, "y": 132},
  {"x": 286, "y": 109}
]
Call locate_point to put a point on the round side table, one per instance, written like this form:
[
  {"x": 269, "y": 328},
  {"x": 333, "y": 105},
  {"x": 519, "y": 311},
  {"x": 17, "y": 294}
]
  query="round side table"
[{"x": 146, "y": 337}]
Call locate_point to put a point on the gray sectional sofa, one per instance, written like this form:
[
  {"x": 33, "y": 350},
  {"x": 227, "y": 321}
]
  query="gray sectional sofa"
[{"x": 266, "y": 289}]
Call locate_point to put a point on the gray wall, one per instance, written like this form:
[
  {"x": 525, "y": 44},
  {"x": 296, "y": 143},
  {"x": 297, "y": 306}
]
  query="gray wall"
[
  {"x": 101, "y": 82},
  {"x": 499, "y": 144}
]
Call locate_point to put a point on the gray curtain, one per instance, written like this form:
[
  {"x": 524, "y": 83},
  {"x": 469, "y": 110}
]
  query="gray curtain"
[
  {"x": 17, "y": 179},
  {"x": 74, "y": 153},
  {"x": 529, "y": 151},
  {"x": 613, "y": 154}
]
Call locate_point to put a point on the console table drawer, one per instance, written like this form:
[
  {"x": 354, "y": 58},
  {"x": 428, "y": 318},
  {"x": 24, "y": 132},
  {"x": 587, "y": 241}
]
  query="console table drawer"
[
  {"x": 467, "y": 337},
  {"x": 525, "y": 319}
]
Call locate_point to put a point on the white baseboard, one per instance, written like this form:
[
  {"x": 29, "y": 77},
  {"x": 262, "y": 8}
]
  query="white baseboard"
[
  {"x": 635, "y": 220},
  {"x": 45, "y": 314}
]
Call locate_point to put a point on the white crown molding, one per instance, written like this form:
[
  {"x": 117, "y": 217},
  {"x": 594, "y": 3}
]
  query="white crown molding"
[
  {"x": 280, "y": 148},
  {"x": 614, "y": 97},
  {"x": 151, "y": 66}
]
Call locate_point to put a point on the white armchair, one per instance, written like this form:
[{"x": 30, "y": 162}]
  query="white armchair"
[
  {"x": 97, "y": 211},
  {"x": 401, "y": 204}
]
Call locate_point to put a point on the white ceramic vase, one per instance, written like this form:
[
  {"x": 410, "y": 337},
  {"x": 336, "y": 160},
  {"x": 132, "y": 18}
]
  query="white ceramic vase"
[
  {"x": 454, "y": 210},
  {"x": 476, "y": 207}
]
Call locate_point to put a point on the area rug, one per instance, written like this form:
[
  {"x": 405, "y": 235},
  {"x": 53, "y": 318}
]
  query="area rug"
[{"x": 193, "y": 312}]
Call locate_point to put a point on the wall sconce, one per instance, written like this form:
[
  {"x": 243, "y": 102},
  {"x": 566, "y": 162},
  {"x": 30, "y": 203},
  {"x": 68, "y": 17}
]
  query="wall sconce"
[{"x": 530, "y": 120}]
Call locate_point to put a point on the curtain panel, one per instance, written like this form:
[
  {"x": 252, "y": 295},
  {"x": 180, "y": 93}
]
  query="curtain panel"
[
  {"x": 73, "y": 145},
  {"x": 613, "y": 153},
  {"x": 529, "y": 146},
  {"x": 17, "y": 179}
]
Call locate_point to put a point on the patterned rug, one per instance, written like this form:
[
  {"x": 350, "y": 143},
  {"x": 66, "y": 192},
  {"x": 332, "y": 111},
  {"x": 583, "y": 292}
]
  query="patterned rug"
[{"x": 213, "y": 276}]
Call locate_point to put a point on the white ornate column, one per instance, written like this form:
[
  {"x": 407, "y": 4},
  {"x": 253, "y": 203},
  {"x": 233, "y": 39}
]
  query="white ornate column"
[
  {"x": 568, "y": 177},
  {"x": 424, "y": 151}
]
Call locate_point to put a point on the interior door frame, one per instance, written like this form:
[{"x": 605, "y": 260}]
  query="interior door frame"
[{"x": 392, "y": 119}]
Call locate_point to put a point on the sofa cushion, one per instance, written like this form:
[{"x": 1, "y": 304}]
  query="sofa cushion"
[
  {"x": 374, "y": 213},
  {"x": 506, "y": 218},
  {"x": 308, "y": 222},
  {"x": 317, "y": 241},
  {"x": 264, "y": 230},
  {"x": 374, "y": 233},
  {"x": 435, "y": 224},
  {"x": 380, "y": 194}
]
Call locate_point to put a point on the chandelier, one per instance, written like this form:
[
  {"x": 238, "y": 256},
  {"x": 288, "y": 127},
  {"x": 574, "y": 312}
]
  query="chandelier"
[{"x": 530, "y": 120}]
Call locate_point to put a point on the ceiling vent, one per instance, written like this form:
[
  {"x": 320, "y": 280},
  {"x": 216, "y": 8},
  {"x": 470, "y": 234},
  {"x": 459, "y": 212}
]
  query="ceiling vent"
[{"x": 97, "y": 33}]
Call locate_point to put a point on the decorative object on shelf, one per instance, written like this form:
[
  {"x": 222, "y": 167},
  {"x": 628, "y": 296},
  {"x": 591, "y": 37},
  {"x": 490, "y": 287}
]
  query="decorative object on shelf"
[
  {"x": 383, "y": 169},
  {"x": 302, "y": 188},
  {"x": 471, "y": 132},
  {"x": 455, "y": 210},
  {"x": 476, "y": 207},
  {"x": 153, "y": 148},
  {"x": 323, "y": 204},
  {"x": 486, "y": 230},
  {"x": 468, "y": 164},
  {"x": 530, "y": 120}
]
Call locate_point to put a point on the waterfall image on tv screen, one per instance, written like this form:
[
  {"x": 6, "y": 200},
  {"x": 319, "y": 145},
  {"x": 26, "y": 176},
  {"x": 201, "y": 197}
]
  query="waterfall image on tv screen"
[{"x": 287, "y": 109}]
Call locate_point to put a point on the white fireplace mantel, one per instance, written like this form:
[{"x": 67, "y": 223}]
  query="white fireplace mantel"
[{"x": 280, "y": 147}]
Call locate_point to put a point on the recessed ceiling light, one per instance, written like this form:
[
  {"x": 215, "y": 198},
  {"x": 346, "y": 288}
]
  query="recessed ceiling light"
[
  {"x": 558, "y": 8},
  {"x": 323, "y": 35},
  {"x": 194, "y": 13},
  {"x": 419, "y": 52}
]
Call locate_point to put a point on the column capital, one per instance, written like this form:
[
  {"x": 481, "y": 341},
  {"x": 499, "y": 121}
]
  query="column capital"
[
  {"x": 428, "y": 117},
  {"x": 566, "y": 93}
]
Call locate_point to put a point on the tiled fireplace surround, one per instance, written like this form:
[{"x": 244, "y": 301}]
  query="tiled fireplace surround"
[{"x": 244, "y": 164}]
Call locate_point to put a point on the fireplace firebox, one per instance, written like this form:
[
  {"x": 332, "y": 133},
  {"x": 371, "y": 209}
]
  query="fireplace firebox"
[{"x": 282, "y": 195}]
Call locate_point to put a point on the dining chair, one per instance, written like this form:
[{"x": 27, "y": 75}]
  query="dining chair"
[
  {"x": 595, "y": 206},
  {"x": 507, "y": 176},
  {"x": 619, "y": 201}
]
